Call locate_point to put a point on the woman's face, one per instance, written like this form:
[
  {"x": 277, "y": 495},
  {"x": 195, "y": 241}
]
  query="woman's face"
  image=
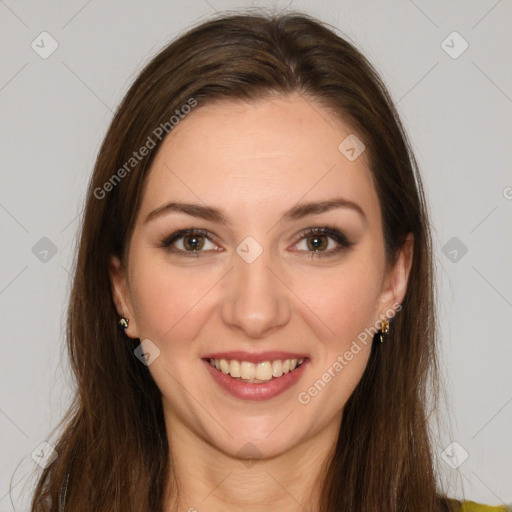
[{"x": 257, "y": 287}]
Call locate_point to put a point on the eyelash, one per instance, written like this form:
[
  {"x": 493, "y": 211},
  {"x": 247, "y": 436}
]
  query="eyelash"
[{"x": 331, "y": 232}]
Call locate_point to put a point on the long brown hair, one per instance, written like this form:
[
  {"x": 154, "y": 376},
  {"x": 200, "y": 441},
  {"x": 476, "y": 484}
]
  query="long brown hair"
[{"x": 113, "y": 453}]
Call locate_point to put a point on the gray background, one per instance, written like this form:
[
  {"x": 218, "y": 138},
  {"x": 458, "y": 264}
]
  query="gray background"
[{"x": 457, "y": 111}]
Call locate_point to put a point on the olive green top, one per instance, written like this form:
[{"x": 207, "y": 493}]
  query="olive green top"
[{"x": 471, "y": 506}]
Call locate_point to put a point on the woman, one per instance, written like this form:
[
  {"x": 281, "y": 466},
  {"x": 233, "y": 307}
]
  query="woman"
[{"x": 256, "y": 225}]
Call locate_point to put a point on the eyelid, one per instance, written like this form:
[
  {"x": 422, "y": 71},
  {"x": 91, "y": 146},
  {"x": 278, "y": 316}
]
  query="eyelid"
[
  {"x": 331, "y": 232},
  {"x": 326, "y": 230},
  {"x": 167, "y": 241}
]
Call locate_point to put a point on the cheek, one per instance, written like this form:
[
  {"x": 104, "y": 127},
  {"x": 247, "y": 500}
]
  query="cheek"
[
  {"x": 345, "y": 298},
  {"x": 167, "y": 300},
  {"x": 348, "y": 307}
]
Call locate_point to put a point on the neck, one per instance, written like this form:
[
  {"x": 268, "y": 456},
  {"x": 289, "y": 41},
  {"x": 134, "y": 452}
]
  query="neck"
[{"x": 205, "y": 477}]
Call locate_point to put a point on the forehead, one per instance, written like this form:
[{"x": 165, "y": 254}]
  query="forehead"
[{"x": 262, "y": 155}]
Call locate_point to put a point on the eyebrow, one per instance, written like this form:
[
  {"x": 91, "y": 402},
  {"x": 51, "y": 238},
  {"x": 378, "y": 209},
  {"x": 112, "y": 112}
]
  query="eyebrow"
[{"x": 213, "y": 214}]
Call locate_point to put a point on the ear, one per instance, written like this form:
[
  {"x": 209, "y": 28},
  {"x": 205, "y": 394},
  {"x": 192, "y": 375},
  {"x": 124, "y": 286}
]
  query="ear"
[
  {"x": 121, "y": 295},
  {"x": 395, "y": 281}
]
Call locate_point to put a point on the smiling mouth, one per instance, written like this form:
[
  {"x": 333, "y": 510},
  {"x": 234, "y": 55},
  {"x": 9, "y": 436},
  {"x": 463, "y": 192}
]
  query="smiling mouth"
[{"x": 256, "y": 373}]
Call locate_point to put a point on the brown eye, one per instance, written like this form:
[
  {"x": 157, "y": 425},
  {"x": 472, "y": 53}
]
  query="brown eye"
[
  {"x": 188, "y": 242},
  {"x": 324, "y": 242},
  {"x": 317, "y": 242},
  {"x": 193, "y": 242},
  {"x": 320, "y": 242}
]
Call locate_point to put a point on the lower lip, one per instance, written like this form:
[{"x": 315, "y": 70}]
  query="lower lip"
[{"x": 256, "y": 391}]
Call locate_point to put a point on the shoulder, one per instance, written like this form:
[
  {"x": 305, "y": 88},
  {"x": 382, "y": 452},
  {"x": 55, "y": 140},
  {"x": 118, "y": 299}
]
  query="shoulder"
[{"x": 471, "y": 506}]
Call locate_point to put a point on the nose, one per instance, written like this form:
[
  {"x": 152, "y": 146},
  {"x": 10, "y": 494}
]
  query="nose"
[{"x": 256, "y": 301}]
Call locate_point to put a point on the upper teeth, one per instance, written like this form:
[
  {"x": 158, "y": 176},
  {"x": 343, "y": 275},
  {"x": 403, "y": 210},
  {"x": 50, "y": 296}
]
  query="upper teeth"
[{"x": 263, "y": 371}]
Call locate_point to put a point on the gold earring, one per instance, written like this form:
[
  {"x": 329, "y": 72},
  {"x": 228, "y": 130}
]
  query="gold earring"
[
  {"x": 123, "y": 323},
  {"x": 384, "y": 330}
]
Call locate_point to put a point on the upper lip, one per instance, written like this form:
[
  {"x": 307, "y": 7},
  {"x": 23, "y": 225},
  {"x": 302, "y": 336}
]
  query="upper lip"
[{"x": 253, "y": 357}]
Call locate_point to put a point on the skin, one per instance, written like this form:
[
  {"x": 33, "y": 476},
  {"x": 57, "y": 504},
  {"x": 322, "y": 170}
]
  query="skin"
[{"x": 255, "y": 161}]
